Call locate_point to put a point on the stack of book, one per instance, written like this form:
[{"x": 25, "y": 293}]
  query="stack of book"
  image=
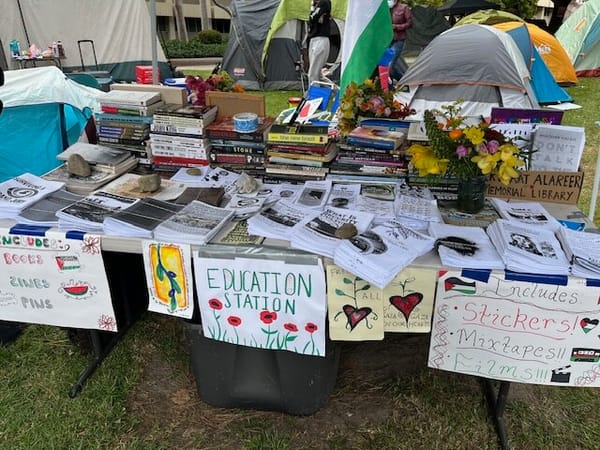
[
  {"x": 178, "y": 136},
  {"x": 372, "y": 151},
  {"x": 299, "y": 153},
  {"x": 238, "y": 151},
  {"x": 125, "y": 121},
  {"x": 101, "y": 157}
]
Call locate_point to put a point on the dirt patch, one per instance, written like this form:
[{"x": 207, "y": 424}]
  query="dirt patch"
[{"x": 170, "y": 411}]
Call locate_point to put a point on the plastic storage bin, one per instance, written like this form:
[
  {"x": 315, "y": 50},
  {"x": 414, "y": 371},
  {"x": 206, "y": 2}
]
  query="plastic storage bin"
[{"x": 236, "y": 376}]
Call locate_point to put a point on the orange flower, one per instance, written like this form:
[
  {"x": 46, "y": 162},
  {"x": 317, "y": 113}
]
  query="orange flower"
[{"x": 455, "y": 134}]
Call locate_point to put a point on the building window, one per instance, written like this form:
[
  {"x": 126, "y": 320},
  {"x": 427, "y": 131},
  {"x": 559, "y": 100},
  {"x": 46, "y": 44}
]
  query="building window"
[
  {"x": 221, "y": 25},
  {"x": 193, "y": 24}
]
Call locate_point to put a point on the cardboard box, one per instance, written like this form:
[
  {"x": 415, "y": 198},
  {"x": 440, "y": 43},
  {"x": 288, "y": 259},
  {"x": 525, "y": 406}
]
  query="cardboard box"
[
  {"x": 540, "y": 186},
  {"x": 169, "y": 94},
  {"x": 231, "y": 103}
]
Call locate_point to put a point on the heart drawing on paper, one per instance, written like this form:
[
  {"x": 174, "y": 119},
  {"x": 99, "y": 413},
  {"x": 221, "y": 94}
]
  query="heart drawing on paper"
[
  {"x": 406, "y": 303},
  {"x": 588, "y": 324},
  {"x": 355, "y": 315}
]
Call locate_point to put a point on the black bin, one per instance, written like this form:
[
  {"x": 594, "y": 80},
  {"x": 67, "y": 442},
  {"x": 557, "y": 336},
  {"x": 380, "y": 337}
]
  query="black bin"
[{"x": 236, "y": 376}]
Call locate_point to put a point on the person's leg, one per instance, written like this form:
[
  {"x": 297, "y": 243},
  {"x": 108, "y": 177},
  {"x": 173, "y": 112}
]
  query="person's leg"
[
  {"x": 395, "y": 70},
  {"x": 318, "y": 51}
]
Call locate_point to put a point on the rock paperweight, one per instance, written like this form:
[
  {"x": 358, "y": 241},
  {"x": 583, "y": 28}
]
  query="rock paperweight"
[
  {"x": 149, "y": 183},
  {"x": 78, "y": 166},
  {"x": 346, "y": 231}
]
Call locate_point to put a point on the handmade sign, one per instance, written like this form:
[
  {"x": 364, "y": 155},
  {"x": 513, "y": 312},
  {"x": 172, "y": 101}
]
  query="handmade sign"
[
  {"x": 53, "y": 278},
  {"x": 540, "y": 186},
  {"x": 169, "y": 276},
  {"x": 526, "y": 331},
  {"x": 360, "y": 311},
  {"x": 262, "y": 303}
]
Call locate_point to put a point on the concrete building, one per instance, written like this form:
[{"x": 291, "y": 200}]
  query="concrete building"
[{"x": 216, "y": 17}]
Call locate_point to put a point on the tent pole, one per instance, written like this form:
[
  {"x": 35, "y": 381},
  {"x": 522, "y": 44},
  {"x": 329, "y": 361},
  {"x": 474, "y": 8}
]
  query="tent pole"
[
  {"x": 23, "y": 22},
  {"x": 153, "y": 38}
]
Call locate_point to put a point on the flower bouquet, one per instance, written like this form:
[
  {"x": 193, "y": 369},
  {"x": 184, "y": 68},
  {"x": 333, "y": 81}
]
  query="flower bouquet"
[
  {"x": 368, "y": 100},
  {"x": 220, "y": 81},
  {"x": 469, "y": 153}
]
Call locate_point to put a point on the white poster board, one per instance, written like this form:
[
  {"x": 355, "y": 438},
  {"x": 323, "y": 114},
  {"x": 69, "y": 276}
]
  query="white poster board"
[
  {"x": 54, "y": 278},
  {"x": 263, "y": 303},
  {"x": 521, "y": 331}
]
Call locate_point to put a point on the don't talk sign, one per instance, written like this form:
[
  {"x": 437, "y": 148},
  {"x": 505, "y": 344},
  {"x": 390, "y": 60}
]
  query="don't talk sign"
[{"x": 263, "y": 303}]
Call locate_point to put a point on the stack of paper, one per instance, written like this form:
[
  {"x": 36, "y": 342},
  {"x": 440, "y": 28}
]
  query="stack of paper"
[
  {"x": 465, "y": 247},
  {"x": 525, "y": 213},
  {"x": 583, "y": 250},
  {"x": 88, "y": 214},
  {"x": 196, "y": 224},
  {"x": 379, "y": 254},
  {"x": 20, "y": 192},
  {"x": 314, "y": 195},
  {"x": 277, "y": 220},
  {"x": 415, "y": 211},
  {"x": 140, "y": 219},
  {"x": 528, "y": 249},
  {"x": 321, "y": 234},
  {"x": 43, "y": 212}
]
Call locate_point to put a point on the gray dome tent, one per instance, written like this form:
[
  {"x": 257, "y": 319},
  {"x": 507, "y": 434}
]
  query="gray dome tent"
[{"x": 266, "y": 39}]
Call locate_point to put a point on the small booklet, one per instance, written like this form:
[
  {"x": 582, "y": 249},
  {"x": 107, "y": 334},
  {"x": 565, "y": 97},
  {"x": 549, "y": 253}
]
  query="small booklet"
[
  {"x": 140, "y": 219},
  {"x": 196, "y": 224},
  {"x": 525, "y": 213},
  {"x": 277, "y": 220},
  {"x": 20, "y": 192},
  {"x": 43, "y": 212}
]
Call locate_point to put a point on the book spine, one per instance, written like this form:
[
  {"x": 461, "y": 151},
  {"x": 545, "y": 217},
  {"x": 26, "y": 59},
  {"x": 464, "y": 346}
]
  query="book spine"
[
  {"x": 288, "y": 169},
  {"x": 174, "y": 130},
  {"x": 238, "y": 149},
  {"x": 233, "y": 135},
  {"x": 125, "y": 141},
  {"x": 233, "y": 143},
  {"x": 376, "y": 143},
  {"x": 299, "y": 156},
  {"x": 124, "y": 118},
  {"x": 217, "y": 157},
  {"x": 123, "y": 111},
  {"x": 298, "y": 148},
  {"x": 179, "y": 161},
  {"x": 297, "y": 138}
]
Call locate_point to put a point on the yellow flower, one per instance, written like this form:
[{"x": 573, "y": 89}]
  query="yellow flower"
[
  {"x": 474, "y": 134},
  {"x": 486, "y": 162}
]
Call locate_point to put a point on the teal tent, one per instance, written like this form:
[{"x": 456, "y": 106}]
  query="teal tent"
[{"x": 580, "y": 36}]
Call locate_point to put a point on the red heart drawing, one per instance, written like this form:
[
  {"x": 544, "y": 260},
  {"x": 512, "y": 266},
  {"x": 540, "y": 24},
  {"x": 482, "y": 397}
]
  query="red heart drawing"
[
  {"x": 406, "y": 303},
  {"x": 355, "y": 316}
]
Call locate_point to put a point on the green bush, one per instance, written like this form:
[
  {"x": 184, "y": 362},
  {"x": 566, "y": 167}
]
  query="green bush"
[
  {"x": 192, "y": 49},
  {"x": 209, "y": 37}
]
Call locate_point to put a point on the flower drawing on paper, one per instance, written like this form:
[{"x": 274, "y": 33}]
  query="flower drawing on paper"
[
  {"x": 91, "y": 244},
  {"x": 107, "y": 323},
  {"x": 311, "y": 328},
  {"x": 235, "y": 322},
  {"x": 216, "y": 305},
  {"x": 268, "y": 317},
  {"x": 355, "y": 314},
  {"x": 284, "y": 339},
  {"x": 169, "y": 276}
]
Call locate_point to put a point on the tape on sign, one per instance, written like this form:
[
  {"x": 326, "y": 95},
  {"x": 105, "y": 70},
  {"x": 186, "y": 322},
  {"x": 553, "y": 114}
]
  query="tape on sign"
[{"x": 245, "y": 122}]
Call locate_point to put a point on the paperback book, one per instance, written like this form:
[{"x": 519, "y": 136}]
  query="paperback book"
[
  {"x": 18, "y": 193},
  {"x": 140, "y": 218},
  {"x": 43, "y": 212}
]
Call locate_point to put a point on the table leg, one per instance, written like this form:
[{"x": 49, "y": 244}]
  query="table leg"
[{"x": 496, "y": 405}]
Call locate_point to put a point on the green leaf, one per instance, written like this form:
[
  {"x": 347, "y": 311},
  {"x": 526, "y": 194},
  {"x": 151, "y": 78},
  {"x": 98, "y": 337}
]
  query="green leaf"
[
  {"x": 160, "y": 272},
  {"x": 291, "y": 338},
  {"x": 365, "y": 287},
  {"x": 175, "y": 285},
  {"x": 339, "y": 292},
  {"x": 347, "y": 280},
  {"x": 173, "y": 304},
  {"x": 269, "y": 332}
]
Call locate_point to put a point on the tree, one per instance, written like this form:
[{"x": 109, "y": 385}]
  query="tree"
[{"x": 558, "y": 14}]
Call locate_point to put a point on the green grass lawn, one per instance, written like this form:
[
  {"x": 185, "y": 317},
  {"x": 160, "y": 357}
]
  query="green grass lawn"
[{"x": 416, "y": 408}]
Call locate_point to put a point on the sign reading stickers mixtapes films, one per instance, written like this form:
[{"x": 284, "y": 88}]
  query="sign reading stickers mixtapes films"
[{"x": 520, "y": 331}]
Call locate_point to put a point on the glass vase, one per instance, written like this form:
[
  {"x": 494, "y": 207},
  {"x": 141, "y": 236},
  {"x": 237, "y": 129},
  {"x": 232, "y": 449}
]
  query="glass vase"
[{"x": 471, "y": 192}]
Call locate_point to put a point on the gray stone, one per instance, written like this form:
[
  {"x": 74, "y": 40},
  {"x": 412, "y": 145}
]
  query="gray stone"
[
  {"x": 194, "y": 171},
  {"x": 346, "y": 231},
  {"x": 149, "y": 183},
  {"x": 76, "y": 165}
]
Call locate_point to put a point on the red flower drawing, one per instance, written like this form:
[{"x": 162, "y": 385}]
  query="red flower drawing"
[
  {"x": 311, "y": 327},
  {"x": 234, "y": 321},
  {"x": 268, "y": 316},
  {"x": 215, "y": 303},
  {"x": 290, "y": 327}
]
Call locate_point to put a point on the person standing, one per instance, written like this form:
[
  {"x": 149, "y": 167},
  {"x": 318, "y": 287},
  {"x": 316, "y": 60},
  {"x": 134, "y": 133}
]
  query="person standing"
[
  {"x": 319, "y": 29},
  {"x": 401, "y": 22}
]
